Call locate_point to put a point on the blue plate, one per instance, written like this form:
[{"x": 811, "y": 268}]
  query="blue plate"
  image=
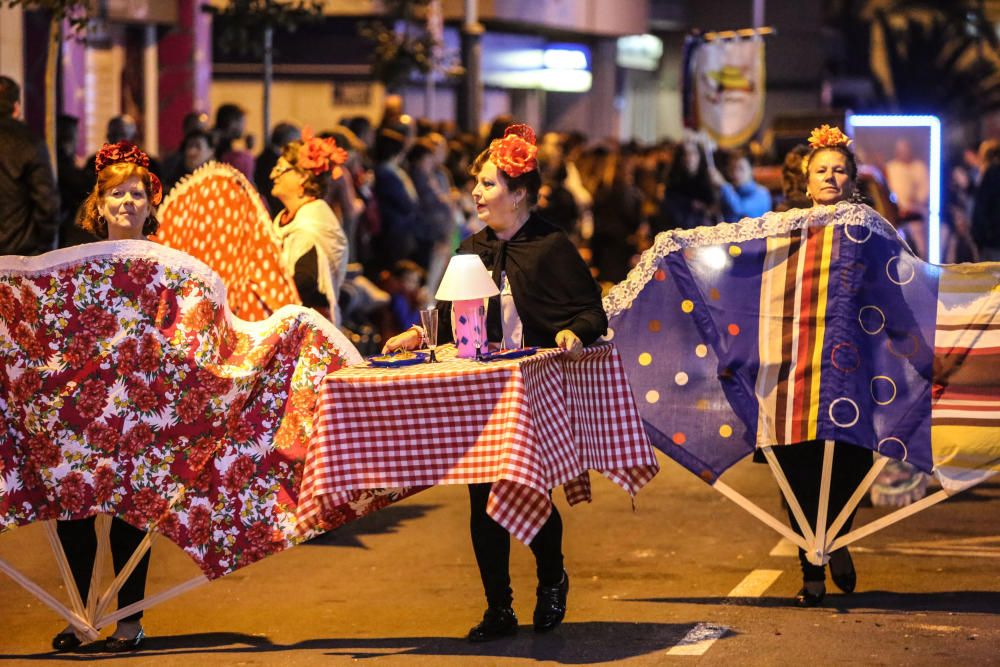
[
  {"x": 501, "y": 355},
  {"x": 390, "y": 361}
]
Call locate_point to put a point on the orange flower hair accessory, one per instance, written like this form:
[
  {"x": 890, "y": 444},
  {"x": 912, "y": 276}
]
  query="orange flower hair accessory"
[
  {"x": 126, "y": 151},
  {"x": 318, "y": 155},
  {"x": 825, "y": 136},
  {"x": 515, "y": 153}
]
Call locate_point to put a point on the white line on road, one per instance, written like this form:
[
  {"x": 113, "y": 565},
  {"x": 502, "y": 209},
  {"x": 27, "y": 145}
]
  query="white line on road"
[
  {"x": 755, "y": 583},
  {"x": 784, "y": 547},
  {"x": 698, "y": 640},
  {"x": 701, "y": 637}
]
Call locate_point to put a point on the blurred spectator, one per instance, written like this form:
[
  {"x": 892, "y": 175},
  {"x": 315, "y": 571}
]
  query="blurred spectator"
[
  {"x": 555, "y": 202},
  {"x": 573, "y": 145},
  {"x": 29, "y": 201},
  {"x": 909, "y": 180},
  {"x": 74, "y": 183},
  {"x": 742, "y": 196},
  {"x": 435, "y": 220},
  {"x": 407, "y": 295},
  {"x": 957, "y": 244},
  {"x": 986, "y": 208},
  {"x": 173, "y": 161},
  {"x": 617, "y": 215},
  {"x": 392, "y": 111},
  {"x": 396, "y": 198},
  {"x": 497, "y": 128},
  {"x": 121, "y": 128},
  {"x": 793, "y": 180},
  {"x": 690, "y": 198},
  {"x": 343, "y": 196},
  {"x": 196, "y": 149},
  {"x": 362, "y": 129},
  {"x": 230, "y": 143},
  {"x": 281, "y": 135}
]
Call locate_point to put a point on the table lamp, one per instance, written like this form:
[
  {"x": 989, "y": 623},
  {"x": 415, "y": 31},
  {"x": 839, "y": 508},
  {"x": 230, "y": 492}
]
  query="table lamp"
[{"x": 466, "y": 283}]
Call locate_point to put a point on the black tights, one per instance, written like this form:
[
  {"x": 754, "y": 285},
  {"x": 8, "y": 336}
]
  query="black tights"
[
  {"x": 803, "y": 466},
  {"x": 79, "y": 541},
  {"x": 491, "y": 542}
]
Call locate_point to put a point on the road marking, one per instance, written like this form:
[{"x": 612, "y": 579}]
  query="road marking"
[
  {"x": 701, "y": 637},
  {"x": 755, "y": 583},
  {"x": 698, "y": 640},
  {"x": 784, "y": 547}
]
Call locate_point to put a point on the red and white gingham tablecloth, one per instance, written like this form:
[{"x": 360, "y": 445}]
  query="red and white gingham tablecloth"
[{"x": 527, "y": 425}]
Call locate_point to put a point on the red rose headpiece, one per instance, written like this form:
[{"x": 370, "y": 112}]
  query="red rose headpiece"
[
  {"x": 320, "y": 155},
  {"x": 126, "y": 151},
  {"x": 514, "y": 155}
]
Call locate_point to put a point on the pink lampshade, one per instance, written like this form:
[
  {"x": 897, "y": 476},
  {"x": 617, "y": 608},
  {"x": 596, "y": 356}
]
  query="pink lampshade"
[{"x": 466, "y": 278}]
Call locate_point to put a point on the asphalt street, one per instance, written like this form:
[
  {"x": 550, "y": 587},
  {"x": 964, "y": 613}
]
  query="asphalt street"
[{"x": 686, "y": 577}]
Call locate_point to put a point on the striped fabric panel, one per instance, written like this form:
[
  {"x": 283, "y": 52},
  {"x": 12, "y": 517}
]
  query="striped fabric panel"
[
  {"x": 772, "y": 309},
  {"x": 793, "y": 302},
  {"x": 965, "y": 412}
]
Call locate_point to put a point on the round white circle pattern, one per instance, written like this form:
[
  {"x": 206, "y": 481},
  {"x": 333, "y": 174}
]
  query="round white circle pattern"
[{"x": 857, "y": 412}]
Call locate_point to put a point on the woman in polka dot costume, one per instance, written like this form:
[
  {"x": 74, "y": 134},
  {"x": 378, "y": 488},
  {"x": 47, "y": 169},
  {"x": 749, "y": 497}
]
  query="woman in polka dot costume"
[{"x": 830, "y": 178}]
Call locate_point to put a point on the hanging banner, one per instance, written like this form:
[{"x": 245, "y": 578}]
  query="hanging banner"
[{"x": 728, "y": 88}]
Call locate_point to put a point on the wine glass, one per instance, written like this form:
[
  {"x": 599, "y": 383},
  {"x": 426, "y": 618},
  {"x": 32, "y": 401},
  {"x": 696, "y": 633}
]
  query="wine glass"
[{"x": 429, "y": 321}]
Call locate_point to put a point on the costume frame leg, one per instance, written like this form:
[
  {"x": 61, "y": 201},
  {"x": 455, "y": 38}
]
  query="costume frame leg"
[{"x": 81, "y": 624}]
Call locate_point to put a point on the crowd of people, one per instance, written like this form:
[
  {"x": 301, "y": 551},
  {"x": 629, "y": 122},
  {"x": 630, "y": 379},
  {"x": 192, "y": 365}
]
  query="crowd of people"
[{"x": 368, "y": 215}]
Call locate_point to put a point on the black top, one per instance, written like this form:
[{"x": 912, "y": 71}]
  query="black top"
[
  {"x": 551, "y": 285},
  {"x": 307, "y": 280},
  {"x": 29, "y": 201}
]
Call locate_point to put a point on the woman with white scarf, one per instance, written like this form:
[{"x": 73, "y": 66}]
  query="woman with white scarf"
[{"x": 313, "y": 243}]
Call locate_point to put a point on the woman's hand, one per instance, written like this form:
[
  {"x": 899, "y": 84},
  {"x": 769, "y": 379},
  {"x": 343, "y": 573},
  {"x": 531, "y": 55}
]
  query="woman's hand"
[
  {"x": 570, "y": 342},
  {"x": 408, "y": 340}
]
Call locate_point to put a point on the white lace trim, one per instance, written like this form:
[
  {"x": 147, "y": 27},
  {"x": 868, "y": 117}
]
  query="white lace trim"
[
  {"x": 622, "y": 295},
  {"x": 18, "y": 265}
]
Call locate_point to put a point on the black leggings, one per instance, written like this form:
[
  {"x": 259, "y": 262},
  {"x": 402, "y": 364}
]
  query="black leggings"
[
  {"x": 803, "y": 466},
  {"x": 491, "y": 542},
  {"x": 79, "y": 541}
]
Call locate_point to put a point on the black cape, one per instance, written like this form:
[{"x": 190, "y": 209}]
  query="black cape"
[{"x": 551, "y": 285}]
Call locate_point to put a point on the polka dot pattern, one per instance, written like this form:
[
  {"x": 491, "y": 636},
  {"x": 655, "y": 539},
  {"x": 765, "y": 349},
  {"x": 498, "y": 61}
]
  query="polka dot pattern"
[{"x": 216, "y": 216}]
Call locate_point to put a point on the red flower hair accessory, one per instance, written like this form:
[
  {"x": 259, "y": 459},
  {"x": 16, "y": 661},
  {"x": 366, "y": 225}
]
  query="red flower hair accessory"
[
  {"x": 515, "y": 153},
  {"x": 320, "y": 155},
  {"x": 126, "y": 151},
  {"x": 825, "y": 136}
]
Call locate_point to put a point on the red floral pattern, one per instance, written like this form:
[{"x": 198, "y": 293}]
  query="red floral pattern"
[{"x": 199, "y": 432}]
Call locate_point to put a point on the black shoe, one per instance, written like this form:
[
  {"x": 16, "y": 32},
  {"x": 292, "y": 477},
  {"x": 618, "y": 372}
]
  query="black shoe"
[
  {"x": 116, "y": 645},
  {"x": 66, "y": 641},
  {"x": 551, "y": 606},
  {"x": 806, "y": 599},
  {"x": 497, "y": 622},
  {"x": 842, "y": 570}
]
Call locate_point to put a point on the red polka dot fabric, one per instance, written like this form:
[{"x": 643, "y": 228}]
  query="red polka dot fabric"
[{"x": 217, "y": 216}]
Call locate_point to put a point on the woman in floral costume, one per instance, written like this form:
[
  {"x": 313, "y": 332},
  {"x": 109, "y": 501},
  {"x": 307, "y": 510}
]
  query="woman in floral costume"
[
  {"x": 548, "y": 299},
  {"x": 122, "y": 206},
  {"x": 831, "y": 172},
  {"x": 313, "y": 243}
]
